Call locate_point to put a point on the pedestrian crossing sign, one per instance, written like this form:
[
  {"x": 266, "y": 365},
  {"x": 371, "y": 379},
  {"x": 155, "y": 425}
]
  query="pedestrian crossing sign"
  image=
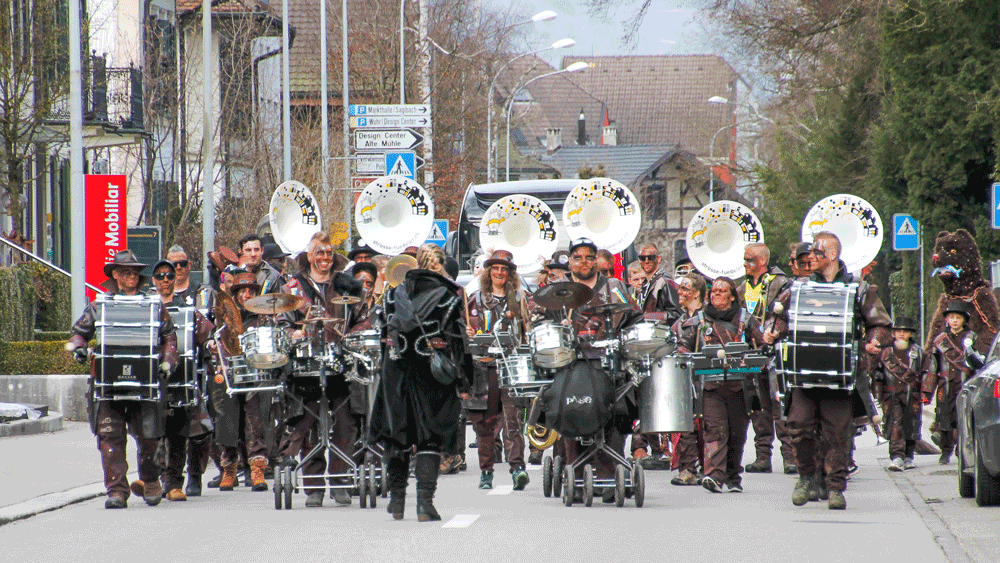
[
  {"x": 905, "y": 232},
  {"x": 995, "y": 211},
  {"x": 438, "y": 233},
  {"x": 401, "y": 164}
]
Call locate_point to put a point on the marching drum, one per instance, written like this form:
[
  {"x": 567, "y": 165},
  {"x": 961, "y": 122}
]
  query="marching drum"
[
  {"x": 645, "y": 339},
  {"x": 666, "y": 397},
  {"x": 265, "y": 347},
  {"x": 821, "y": 348},
  {"x": 552, "y": 345},
  {"x": 128, "y": 349},
  {"x": 519, "y": 376},
  {"x": 364, "y": 341},
  {"x": 183, "y": 383},
  {"x": 240, "y": 377}
]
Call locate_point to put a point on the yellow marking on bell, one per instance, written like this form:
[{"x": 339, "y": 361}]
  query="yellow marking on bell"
[{"x": 817, "y": 223}]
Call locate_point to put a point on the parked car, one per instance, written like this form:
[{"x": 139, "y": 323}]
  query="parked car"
[{"x": 978, "y": 446}]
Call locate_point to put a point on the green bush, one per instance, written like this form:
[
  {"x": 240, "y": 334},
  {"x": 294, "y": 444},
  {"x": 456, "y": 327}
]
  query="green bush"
[
  {"x": 52, "y": 335},
  {"x": 32, "y": 296},
  {"x": 37, "y": 358}
]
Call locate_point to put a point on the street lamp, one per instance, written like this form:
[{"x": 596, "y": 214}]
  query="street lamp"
[
  {"x": 579, "y": 65},
  {"x": 561, "y": 44},
  {"x": 711, "y": 149}
]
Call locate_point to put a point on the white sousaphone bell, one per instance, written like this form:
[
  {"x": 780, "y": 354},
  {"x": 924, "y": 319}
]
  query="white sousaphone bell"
[
  {"x": 525, "y": 226},
  {"x": 717, "y": 235},
  {"x": 855, "y": 222},
  {"x": 603, "y": 210},
  {"x": 393, "y": 213},
  {"x": 293, "y": 216}
]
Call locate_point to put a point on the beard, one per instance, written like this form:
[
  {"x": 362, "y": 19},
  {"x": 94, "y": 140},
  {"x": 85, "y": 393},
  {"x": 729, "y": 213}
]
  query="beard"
[
  {"x": 587, "y": 277},
  {"x": 901, "y": 344}
]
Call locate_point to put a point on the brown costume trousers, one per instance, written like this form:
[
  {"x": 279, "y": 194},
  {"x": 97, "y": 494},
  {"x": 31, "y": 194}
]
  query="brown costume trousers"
[
  {"x": 488, "y": 429},
  {"x": 767, "y": 424},
  {"x": 832, "y": 410},
  {"x": 689, "y": 447},
  {"x": 115, "y": 420},
  {"x": 902, "y": 417},
  {"x": 725, "y": 425},
  {"x": 304, "y": 436},
  {"x": 253, "y": 429}
]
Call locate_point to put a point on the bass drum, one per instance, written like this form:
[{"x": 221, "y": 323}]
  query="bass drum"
[
  {"x": 666, "y": 399},
  {"x": 821, "y": 348}
]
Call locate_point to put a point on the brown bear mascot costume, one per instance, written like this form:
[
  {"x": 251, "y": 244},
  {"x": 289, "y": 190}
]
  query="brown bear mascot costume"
[{"x": 957, "y": 262}]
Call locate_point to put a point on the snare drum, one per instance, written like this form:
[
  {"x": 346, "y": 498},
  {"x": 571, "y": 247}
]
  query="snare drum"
[
  {"x": 128, "y": 349},
  {"x": 519, "y": 376},
  {"x": 265, "y": 347},
  {"x": 552, "y": 345},
  {"x": 645, "y": 339},
  {"x": 821, "y": 348},
  {"x": 241, "y": 377},
  {"x": 363, "y": 341},
  {"x": 307, "y": 358}
]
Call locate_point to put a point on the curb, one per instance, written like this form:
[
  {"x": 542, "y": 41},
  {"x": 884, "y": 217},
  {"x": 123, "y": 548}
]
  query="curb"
[
  {"x": 49, "y": 502},
  {"x": 50, "y": 423}
]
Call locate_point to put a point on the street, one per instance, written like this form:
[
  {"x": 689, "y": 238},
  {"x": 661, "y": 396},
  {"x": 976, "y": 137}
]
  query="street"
[{"x": 912, "y": 516}]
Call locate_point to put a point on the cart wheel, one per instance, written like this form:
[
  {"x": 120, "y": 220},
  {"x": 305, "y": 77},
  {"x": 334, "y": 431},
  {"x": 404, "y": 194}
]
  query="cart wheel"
[
  {"x": 384, "y": 478},
  {"x": 372, "y": 486},
  {"x": 287, "y": 486},
  {"x": 569, "y": 480},
  {"x": 363, "y": 485},
  {"x": 547, "y": 476},
  {"x": 588, "y": 485},
  {"x": 620, "y": 486},
  {"x": 638, "y": 485},
  {"x": 557, "y": 475},
  {"x": 278, "y": 487}
]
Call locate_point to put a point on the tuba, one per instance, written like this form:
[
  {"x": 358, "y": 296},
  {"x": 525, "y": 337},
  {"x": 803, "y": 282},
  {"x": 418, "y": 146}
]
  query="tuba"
[
  {"x": 855, "y": 222},
  {"x": 393, "y": 213},
  {"x": 294, "y": 216},
  {"x": 603, "y": 210},
  {"x": 525, "y": 226},
  {"x": 716, "y": 236}
]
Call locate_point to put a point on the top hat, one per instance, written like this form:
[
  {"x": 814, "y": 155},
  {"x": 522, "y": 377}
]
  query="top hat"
[
  {"x": 960, "y": 307},
  {"x": 559, "y": 261},
  {"x": 904, "y": 323},
  {"x": 246, "y": 280},
  {"x": 360, "y": 247}
]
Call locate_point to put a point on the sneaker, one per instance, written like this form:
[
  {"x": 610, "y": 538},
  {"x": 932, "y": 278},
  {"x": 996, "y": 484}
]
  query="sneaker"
[
  {"x": 521, "y": 480},
  {"x": 759, "y": 466},
  {"x": 711, "y": 485},
  {"x": 342, "y": 497},
  {"x": 535, "y": 457},
  {"x": 685, "y": 478},
  {"x": 314, "y": 499},
  {"x": 176, "y": 495},
  {"x": 116, "y": 500},
  {"x": 837, "y": 501},
  {"x": 639, "y": 454},
  {"x": 735, "y": 487},
  {"x": 486, "y": 480},
  {"x": 800, "y": 495},
  {"x": 909, "y": 464},
  {"x": 852, "y": 468},
  {"x": 896, "y": 464}
]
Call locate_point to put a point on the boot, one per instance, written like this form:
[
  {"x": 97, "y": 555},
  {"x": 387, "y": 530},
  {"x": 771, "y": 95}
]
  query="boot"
[
  {"x": 193, "y": 488},
  {"x": 800, "y": 495},
  {"x": 397, "y": 473},
  {"x": 228, "y": 478},
  {"x": 759, "y": 466},
  {"x": 257, "y": 466},
  {"x": 837, "y": 500},
  {"x": 152, "y": 492},
  {"x": 427, "y": 474},
  {"x": 214, "y": 483}
]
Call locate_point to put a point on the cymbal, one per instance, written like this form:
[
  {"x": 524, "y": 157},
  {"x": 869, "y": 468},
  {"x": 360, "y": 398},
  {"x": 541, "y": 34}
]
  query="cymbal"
[
  {"x": 606, "y": 309},
  {"x": 318, "y": 320},
  {"x": 563, "y": 294},
  {"x": 343, "y": 300},
  {"x": 273, "y": 303}
]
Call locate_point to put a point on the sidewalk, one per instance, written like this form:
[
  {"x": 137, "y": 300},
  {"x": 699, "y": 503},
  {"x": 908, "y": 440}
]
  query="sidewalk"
[{"x": 35, "y": 465}]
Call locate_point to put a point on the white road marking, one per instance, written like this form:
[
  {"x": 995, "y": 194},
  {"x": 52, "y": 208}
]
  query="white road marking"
[
  {"x": 461, "y": 521},
  {"x": 502, "y": 490}
]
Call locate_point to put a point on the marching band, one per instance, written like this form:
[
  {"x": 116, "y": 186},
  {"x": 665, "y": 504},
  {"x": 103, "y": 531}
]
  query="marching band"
[{"x": 340, "y": 375}]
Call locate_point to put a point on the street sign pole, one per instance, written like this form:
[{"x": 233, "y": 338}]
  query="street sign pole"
[
  {"x": 994, "y": 216},
  {"x": 905, "y": 237}
]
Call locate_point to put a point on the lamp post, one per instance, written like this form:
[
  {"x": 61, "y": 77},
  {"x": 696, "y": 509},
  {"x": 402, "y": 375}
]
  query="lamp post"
[
  {"x": 577, "y": 66},
  {"x": 490, "y": 172},
  {"x": 711, "y": 149}
]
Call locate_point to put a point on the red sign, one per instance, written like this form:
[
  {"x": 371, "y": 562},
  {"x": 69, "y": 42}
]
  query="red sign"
[{"x": 106, "y": 232}]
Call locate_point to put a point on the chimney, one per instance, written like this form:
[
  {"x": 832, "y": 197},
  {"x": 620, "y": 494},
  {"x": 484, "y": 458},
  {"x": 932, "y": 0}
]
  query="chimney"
[
  {"x": 610, "y": 135},
  {"x": 553, "y": 139},
  {"x": 581, "y": 129}
]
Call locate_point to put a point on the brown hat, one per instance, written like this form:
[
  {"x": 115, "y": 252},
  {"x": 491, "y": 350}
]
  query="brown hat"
[
  {"x": 123, "y": 258},
  {"x": 502, "y": 257},
  {"x": 223, "y": 257},
  {"x": 242, "y": 281}
]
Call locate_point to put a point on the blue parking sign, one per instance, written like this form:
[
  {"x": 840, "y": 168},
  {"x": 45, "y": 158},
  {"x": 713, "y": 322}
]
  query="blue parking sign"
[{"x": 905, "y": 232}]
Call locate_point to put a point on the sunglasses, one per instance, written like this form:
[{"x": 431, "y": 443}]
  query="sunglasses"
[
  {"x": 647, "y": 257},
  {"x": 182, "y": 264},
  {"x": 164, "y": 276}
]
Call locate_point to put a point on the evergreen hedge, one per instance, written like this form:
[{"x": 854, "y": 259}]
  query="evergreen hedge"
[{"x": 38, "y": 358}]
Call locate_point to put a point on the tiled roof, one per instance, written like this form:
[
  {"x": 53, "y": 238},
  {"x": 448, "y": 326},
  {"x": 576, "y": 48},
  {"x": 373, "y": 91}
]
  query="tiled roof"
[
  {"x": 657, "y": 100},
  {"x": 230, "y": 6},
  {"x": 627, "y": 164}
]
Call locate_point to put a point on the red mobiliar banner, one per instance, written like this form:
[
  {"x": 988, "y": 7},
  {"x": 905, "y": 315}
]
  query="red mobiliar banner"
[{"x": 105, "y": 232}]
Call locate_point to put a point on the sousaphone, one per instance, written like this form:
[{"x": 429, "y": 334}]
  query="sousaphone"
[
  {"x": 294, "y": 216},
  {"x": 603, "y": 210},
  {"x": 716, "y": 236},
  {"x": 392, "y": 213},
  {"x": 525, "y": 226},
  {"x": 855, "y": 222}
]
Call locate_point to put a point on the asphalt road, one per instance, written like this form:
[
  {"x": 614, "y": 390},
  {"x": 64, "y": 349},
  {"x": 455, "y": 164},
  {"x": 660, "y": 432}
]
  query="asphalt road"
[{"x": 887, "y": 520}]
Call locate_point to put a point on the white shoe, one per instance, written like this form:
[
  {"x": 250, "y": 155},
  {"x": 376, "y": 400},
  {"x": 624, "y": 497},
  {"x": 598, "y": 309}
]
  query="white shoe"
[
  {"x": 896, "y": 464},
  {"x": 908, "y": 463}
]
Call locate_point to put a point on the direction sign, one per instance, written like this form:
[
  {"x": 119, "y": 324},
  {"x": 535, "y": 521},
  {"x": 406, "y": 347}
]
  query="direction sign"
[
  {"x": 905, "y": 232},
  {"x": 370, "y": 164},
  {"x": 439, "y": 232},
  {"x": 390, "y": 121},
  {"x": 995, "y": 213},
  {"x": 389, "y": 139},
  {"x": 389, "y": 109},
  {"x": 359, "y": 183}
]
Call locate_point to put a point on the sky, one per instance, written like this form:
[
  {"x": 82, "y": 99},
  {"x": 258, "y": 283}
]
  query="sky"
[{"x": 669, "y": 28}]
